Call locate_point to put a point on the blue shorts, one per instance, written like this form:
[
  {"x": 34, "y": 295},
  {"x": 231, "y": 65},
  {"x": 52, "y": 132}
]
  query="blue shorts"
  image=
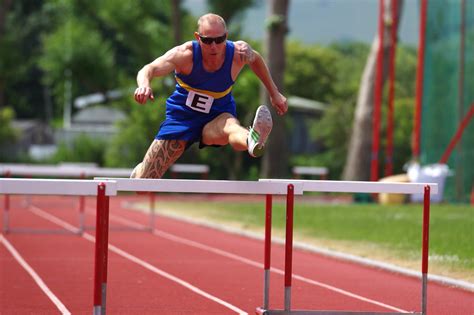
[{"x": 182, "y": 123}]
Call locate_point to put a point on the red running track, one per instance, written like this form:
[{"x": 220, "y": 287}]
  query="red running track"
[{"x": 183, "y": 268}]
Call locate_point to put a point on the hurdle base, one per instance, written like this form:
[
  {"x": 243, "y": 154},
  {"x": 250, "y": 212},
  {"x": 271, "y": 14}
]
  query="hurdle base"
[
  {"x": 261, "y": 311},
  {"x": 40, "y": 231},
  {"x": 121, "y": 229}
]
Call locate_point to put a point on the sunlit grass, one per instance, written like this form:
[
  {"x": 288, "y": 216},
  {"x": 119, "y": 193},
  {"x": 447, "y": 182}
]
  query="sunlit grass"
[{"x": 396, "y": 230}]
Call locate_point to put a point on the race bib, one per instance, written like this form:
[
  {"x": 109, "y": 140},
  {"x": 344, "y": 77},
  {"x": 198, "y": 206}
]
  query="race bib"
[{"x": 199, "y": 102}]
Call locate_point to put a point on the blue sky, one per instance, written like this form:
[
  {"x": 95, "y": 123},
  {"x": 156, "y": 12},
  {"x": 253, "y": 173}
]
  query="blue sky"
[{"x": 325, "y": 21}]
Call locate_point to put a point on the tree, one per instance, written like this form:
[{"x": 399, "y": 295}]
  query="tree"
[
  {"x": 359, "y": 155},
  {"x": 229, "y": 9},
  {"x": 21, "y": 26},
  {"x": 311, "y": 71},
  {"x": 275, "y": 160},
  {"x": 176, "y": 18},
  {"x": 4, "y": 8},
  {"x": 7, "y": 133}
]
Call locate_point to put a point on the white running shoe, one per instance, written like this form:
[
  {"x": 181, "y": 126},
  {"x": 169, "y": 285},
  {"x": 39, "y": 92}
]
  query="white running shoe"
[{"x": 258, "y": 133}]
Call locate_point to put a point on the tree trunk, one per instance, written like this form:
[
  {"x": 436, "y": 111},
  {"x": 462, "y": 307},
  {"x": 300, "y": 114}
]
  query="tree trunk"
[
  {"x": 359, "y": 153},
  {"x": 275, "y": 159},
  {"x": 176, "y": 18},
  {"x": 4, "y": 7}
]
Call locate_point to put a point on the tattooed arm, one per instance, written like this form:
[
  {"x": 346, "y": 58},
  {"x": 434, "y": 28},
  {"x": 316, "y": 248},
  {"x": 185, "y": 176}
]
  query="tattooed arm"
[{"x": 246, "y": 55}]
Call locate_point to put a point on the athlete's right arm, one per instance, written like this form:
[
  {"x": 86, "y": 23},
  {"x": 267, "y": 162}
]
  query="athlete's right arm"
[{"x": 174, "y": 59}]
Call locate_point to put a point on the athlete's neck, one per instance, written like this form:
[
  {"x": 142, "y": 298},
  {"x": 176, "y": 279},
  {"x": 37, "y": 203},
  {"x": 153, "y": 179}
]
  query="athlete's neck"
[{"x": 213, "y": 61}]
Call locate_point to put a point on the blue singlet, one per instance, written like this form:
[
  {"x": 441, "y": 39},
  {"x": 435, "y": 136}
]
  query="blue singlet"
[{"x": 199, "y": 97}]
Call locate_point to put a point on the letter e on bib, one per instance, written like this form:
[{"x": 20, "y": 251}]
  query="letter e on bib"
[{"x": 199, "y": 102}]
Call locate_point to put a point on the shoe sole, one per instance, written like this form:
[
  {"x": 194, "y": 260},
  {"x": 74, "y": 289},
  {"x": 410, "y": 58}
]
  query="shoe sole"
[{"x": 263, "y": 123}]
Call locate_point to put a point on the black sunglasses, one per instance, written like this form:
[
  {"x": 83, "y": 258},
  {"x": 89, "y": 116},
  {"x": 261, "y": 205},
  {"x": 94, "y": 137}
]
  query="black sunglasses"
[{"x": 209, "y": 40}]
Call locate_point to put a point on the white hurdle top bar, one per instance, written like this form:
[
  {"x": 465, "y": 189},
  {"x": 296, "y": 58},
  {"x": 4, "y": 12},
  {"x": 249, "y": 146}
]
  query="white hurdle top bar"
[
  {"x": 204, "y": 186},
  {"x": 61, "y": 170},
  {"x": 358, "y": 186},
  {"x": 22, "y": 186}
]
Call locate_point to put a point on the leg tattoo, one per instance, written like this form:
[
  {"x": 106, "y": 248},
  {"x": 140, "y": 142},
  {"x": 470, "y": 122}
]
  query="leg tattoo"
[{"x": 160, "y": 156}]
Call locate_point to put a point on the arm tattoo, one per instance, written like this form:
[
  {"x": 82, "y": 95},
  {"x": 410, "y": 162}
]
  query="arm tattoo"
[
  {"x": 160, "y": 156},
  {"x": 246, "y": 54}
]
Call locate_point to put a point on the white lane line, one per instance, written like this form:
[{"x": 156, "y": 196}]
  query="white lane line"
[
  {"x": 34, "y": 275},
  {"x": 138, "y": 261},
  {"x": 247, "y": 261}
]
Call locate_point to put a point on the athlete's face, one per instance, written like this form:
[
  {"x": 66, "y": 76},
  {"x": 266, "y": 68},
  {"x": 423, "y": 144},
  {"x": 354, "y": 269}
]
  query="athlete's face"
[{"x": 211, "y": 38}]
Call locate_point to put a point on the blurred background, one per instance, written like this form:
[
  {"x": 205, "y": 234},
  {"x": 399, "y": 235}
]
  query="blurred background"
[{"x": 370, "y": 91}]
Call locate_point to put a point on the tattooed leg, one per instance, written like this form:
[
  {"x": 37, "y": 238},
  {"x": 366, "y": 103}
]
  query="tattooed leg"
[{"x": 159, "y": 157}]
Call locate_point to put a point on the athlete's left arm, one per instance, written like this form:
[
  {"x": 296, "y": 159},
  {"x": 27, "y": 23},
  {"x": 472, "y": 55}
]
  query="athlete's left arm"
[{"x": 247, "y": 55}]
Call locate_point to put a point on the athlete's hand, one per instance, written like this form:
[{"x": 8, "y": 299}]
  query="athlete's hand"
[
  {"x": 142, "y": 94},
  {"x": 279, "y": 103}
]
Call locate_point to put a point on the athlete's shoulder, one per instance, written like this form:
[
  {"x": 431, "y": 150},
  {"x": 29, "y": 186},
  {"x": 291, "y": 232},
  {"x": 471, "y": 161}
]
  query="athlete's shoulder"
[
  {"x": 183, "y": 50},
  {"x": 240, "y": 43},
  {"x": 243, "y": 52},
  {"x": 183, "y": 57}
]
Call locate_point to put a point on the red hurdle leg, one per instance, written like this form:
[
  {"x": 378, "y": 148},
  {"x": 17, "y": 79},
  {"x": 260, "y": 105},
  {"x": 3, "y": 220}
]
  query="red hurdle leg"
[
  {"x": 152, "y": 211},
  {"x": 6, "y": 210},
  {"x": 268, "y": 250},
  {"x": 82, "y": 203},
  {"x": 425, "y": 245},
  {"x": 6, "y": 214},
  {"x": 105, "y": 240},
  {"x": 101, "y": 250},
  {"x": 289, "y": 245}
]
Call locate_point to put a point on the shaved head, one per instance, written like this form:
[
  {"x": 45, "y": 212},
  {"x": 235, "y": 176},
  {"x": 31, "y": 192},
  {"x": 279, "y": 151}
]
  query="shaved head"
[{"x": 210, "y": 20}]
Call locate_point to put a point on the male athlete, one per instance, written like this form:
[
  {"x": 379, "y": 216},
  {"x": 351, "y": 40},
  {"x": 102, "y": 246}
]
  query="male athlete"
[{"x": 202, "y": 108}]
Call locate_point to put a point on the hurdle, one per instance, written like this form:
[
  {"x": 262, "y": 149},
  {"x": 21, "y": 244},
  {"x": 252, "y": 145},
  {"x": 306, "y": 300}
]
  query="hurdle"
[
  {"x": 348, "y": 187},
  {"x": 299, "y": 171},
  {"x": 210, "y": 187},
  {"x": 102, "y": 191},
  {"x": 103, "y": 188},
  {"x": 63, "y": 170},
  {"x": 89, "y": 170}
]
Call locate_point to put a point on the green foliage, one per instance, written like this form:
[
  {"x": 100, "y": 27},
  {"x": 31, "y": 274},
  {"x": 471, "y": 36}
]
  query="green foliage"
[
  {"x": 18, "y": 42},
  {"x": 311, "y": 71},
  {"x": 331, "y": 75},
  {"x": 69, "y": 49},
  {"x": 140, "y": 32},
  {"x": 230, "y": 10},
  {"x": 136, "y": 133},
  {"x": 350, "y": 63},
  {"x": 83, "y": 149},
  {"x": 334, "y": 129},
  {"x": 7, "y": 133},
  {"x": 338, "y": 80}
]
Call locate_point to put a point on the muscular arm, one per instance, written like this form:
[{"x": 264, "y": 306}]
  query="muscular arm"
[
  {"x": 178, "y": 58},
  {"x": 246, "y": 55}
]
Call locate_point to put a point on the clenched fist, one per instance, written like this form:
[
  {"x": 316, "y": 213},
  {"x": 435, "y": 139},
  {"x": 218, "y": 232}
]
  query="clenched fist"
[{"x": 142, "y": 94}]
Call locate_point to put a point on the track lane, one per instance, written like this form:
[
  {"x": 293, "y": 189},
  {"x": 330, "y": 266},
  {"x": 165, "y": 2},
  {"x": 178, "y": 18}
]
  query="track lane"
[
  {"x": 380, "y": 285},
  {"x": 132, "y": 289},
  {"x": 248, "y": 284}
]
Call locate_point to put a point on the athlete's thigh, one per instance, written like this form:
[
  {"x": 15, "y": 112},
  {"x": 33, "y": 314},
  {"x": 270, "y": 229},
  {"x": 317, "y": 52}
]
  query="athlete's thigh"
[
  {"x": 217, "y": 130},
  {"x": 160, "y": 156}
]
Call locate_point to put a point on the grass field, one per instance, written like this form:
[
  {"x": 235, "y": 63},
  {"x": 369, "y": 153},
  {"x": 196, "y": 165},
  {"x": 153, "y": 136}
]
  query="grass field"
[{"x": 388, "y": 233}]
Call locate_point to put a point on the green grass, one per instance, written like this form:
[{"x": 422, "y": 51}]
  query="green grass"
[{"x": 394, "y": 230}]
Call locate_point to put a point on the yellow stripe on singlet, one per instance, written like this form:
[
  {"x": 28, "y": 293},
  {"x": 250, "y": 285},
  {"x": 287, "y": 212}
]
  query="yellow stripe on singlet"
[{"x": 210, "y": 93}]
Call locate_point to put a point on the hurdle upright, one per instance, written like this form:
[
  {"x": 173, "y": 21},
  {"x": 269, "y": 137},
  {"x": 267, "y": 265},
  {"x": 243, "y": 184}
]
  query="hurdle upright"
[
  {"x": 349, "y": 187},
  {"x": 56, "y": 187},
  {"x": 204, "y": 187}
]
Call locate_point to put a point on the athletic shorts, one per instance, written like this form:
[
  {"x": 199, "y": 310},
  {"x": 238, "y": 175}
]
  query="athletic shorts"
[{"x": 182, "y": 123}]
